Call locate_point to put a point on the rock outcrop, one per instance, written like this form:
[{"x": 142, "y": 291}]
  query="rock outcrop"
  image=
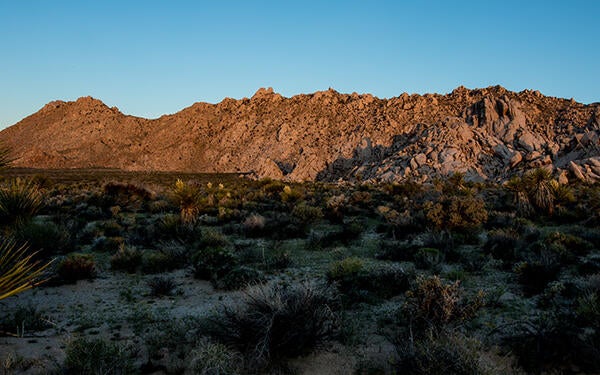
[{"x": 488, "y": 134}]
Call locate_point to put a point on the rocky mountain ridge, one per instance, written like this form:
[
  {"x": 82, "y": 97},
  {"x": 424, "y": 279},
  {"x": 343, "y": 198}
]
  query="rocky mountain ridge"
[{"x": 489, "y": 133}]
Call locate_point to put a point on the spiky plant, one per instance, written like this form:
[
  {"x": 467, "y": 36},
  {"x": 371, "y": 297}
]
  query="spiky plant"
[
  {"x": 520, "y": 197},
  {"x": 187, "y": 197},
  {"x": 18, "y": 271},
  {"x": 20, "y": 200},
  {"x": 540, "y": 189}
]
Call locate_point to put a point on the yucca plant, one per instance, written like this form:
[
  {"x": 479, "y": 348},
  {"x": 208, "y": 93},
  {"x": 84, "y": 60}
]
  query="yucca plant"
[
  {"x": 188, "y": 199},
  {"x": 20, "y": 200},
  {"x": 520, "y": 198},
  {"x": 540, "y": 189},
  {"x": 18, "y": 271}
]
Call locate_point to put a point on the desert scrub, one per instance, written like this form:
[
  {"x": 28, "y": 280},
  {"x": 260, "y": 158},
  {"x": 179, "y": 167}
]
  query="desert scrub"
[
  {"x": 20, "y": 200},
  {"x": 238, "y": 277},
  {"x": 76, "y": 266},
  {"x": 161, "y": 286},
  {"x": 274, "y": 322},
  {"x": 360, "y": 282},
  {"x": 97, "y": 357},
  {"x": 441, "y": 355},
  {"x": 254, "y": 225},
  {"x": 435, "y": 304},
  {"x": 457, "y": 213},
  {"x": 127, "y": 259},
  {"x": 24, "y": 319},
  {"x": 213, "y": 262},
  {"x": 45, "y": 237},
  {"x": 213, "y": 358}
]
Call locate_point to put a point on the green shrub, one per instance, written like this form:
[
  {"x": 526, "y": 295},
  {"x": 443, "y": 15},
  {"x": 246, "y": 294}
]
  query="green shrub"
[
  {"x": 239, "y": 277},
  {"x": 367, "y": 283},
  {"x": 349, "y": 267},
  {"x": 457, "y": 213},
  {"x": 305, "y": 214},
  {"x": 213, "y": 238},
  {"x": 212, "y": 263},
  {"x": 75, "y": 267},
  {"x": 98, "y": 357},
  {"x": 127, "y": 259},
  {"x": 275, "y": 322},
  {"x": 44, "y": 237}
]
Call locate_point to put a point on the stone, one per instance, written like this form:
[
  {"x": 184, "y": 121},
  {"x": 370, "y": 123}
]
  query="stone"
[
  {"x": 515, "y": 159},
  {"x": 577, "y": 171}
]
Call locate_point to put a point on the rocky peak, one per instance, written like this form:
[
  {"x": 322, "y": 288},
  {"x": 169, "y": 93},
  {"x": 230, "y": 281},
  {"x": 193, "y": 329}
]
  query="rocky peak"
[{"x": 488, "y": 133}]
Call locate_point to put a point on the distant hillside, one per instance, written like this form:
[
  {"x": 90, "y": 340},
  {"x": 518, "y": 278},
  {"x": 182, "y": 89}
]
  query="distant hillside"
[{"x": 488, "y": 133}]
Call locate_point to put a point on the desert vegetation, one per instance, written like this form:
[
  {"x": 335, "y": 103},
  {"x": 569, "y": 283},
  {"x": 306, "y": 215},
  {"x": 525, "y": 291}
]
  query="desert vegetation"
[{"x": 217, "y": 274}]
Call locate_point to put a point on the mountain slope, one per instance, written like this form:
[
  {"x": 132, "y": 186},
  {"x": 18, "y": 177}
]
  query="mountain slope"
[{"x": 486, "y": 133}]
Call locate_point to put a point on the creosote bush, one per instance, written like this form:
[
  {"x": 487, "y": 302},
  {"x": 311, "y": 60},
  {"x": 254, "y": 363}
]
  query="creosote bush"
[{"x": 274, "y": 322}]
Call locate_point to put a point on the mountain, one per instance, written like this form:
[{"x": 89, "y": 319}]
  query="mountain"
[{"x": 489, "y": 133}]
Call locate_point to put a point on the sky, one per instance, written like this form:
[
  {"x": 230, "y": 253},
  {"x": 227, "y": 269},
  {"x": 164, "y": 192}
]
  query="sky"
[{"x": 150, "y": 58}]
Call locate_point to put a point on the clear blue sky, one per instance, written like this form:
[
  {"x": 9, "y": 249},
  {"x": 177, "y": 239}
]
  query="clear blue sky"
[{"x": 154, "y": 57}]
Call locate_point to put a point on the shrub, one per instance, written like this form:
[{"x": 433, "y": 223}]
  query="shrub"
[
  {"x": 550, "y": 340},
  {"x": 429, "y": 258},
  {"x": 289, "y": 195},
  {"x": 502, "y": 244},
  {"x": 457, "y": 213},
  {"x": 96, "y": 356},
  {"x": 361, "y": 283},
  {"x": 274, "y": 322},
  {"x": 127, "y": 259},
  {"x": 211, "y": 263},
  {"x": 239, "y": 277},
  {"x": 441, "y": 355},
  {"x": 20, "y": 200},
  {"x": 435, "y": 304},
  {"x": 161, "y": 286},
  {"x": 157, "y": 262},
  {"x": 44, "y": 237},
  {"x": 305, "y": 214},
  {"x": 77, "y": 267},
  {"x": 24, "y": 319},
  {"x": 534, "y": 275},
  {"x": 213, "y": 358},
  {"x": 349, "y": 267},
  {"x": 254, "y": 225},
  {"x": 213, "y": 238}
]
